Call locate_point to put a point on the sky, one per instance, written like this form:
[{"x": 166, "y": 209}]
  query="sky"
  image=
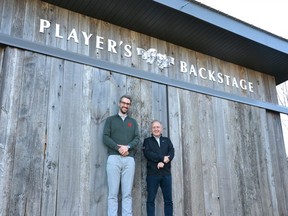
[{"x": 268, "y": 15}]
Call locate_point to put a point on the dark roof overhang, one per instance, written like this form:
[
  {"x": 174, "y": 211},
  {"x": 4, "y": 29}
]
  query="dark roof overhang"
[{"x": 195, "y": 26}]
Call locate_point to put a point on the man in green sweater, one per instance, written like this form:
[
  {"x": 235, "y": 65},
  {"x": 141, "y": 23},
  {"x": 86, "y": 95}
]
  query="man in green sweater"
[{"x": 121, "y": 136}]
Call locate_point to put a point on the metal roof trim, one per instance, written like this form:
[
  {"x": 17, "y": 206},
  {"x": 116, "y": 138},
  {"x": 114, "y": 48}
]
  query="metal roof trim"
[{"x": 227, "y": 22}]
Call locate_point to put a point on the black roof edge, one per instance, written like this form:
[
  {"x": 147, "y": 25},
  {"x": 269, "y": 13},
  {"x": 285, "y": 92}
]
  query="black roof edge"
[{"x": 227, "y": 22}]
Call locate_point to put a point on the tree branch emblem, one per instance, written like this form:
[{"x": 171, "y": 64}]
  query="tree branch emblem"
[{"x": 151, "y": 56}]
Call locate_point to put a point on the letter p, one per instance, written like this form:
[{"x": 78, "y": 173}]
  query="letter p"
[{"x": 44, "y": 24}]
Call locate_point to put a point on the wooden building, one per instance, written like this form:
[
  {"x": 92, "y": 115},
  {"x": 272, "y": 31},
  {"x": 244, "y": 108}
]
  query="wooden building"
[{"x": 211, "y": 80}]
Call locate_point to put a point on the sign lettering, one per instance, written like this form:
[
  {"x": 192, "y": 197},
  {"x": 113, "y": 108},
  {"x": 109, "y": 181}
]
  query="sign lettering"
[{"x": 151, "y": 56}]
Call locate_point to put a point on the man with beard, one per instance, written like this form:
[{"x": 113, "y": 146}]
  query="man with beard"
[{"x": 121, "y": 136}]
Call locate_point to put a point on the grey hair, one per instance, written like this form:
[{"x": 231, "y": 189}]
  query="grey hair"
[{"x": 155, "y": 120}]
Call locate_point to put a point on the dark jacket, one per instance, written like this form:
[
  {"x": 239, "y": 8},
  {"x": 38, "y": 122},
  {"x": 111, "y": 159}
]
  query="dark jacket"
[{"x": 155, "y": 154}]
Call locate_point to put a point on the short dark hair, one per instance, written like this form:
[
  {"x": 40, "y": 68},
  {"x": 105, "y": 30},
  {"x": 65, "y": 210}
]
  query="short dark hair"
[{"x": 126, "y": 96}]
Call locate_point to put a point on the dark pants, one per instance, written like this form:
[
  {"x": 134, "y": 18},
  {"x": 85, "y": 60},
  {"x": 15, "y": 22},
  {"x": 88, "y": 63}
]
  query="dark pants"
[{"x": 165, "y": 183}]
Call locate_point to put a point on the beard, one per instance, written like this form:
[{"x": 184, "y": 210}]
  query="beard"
[{"x": 123, "y": 110}]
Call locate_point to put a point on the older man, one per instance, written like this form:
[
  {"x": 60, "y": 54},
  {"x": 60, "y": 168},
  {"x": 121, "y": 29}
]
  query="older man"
[{"x": 159, "y": 152}]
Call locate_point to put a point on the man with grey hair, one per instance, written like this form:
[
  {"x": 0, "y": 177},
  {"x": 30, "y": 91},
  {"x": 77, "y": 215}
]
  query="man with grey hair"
[{"x": 159, "y": 152}]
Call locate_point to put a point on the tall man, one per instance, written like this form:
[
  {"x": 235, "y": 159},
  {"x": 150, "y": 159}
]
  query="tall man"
[
  {"x": 159, "y": 152},
  {"x": 121, "y": 136}
]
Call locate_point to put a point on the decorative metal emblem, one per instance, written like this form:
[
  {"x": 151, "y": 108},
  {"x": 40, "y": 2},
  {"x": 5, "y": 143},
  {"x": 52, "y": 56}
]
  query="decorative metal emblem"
[{"x": 152, "y": 56}]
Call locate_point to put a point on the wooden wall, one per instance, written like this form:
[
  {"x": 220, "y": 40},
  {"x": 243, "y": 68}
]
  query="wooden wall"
[{"x": 230, "y": 157}]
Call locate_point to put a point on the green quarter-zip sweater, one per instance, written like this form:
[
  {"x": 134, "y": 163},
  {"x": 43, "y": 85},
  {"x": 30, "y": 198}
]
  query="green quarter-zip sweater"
[{"x": 119, "y": 132}]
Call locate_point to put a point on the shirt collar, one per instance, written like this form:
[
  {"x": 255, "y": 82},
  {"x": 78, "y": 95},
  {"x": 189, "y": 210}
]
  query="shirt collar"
[
  {"x": 157, "y": 137},
  {"x": 123, "y": 116}
]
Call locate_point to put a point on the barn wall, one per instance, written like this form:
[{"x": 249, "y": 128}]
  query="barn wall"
[{"x": 230, "y": 156}]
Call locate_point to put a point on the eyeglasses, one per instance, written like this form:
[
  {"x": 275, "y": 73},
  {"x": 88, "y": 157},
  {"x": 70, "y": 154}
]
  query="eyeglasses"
[{"x": 128, "y": 104}]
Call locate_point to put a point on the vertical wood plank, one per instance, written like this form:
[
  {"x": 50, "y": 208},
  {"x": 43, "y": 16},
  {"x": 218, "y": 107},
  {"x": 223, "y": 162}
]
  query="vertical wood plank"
[
  {"x": 226, "y": 200},
  {"x": 6, "y": 18},
  {"x": 209, "y": 155},
  {"x": 146, "y": 105},
  {"x": 2, "y": 71},
  {"x": 134, "y": 89},
  {"x": 101, "y": 102},
  {"x": 228, "y": 188},
  {"x": 279, "y": 162},
  {"x": 68, "y": 191},
  {"x": 55, "y": 69},
  {"x": 175, "y": 128},
  {"x": 86, "y": 145},
  {"x": 10, "y": 91},
  {"x": 192, "y": 166},
  {"x": 18, "y": 21},
  {"x": 30, "y": 22}
]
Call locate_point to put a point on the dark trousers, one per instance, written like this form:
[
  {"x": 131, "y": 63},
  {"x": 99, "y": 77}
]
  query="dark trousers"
[{"x": 165, "y": 183}]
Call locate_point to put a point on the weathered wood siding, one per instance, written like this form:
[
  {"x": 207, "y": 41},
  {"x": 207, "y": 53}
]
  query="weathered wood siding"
[
  {"x": 229, "y": 160},
  {"x": 227, "y": 151}
]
